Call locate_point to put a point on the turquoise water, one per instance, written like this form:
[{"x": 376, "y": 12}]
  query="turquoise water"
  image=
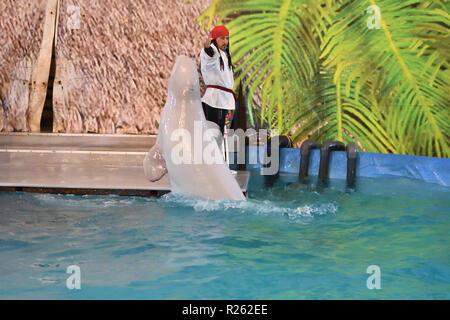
[{"x": 287, "y": 242}]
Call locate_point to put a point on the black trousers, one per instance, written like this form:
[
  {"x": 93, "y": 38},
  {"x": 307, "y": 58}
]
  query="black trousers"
[{"x": 215, "y": 115}]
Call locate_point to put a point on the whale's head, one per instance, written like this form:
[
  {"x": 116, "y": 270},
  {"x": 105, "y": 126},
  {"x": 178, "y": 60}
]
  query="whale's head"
[{"x": 184, "y": 81}]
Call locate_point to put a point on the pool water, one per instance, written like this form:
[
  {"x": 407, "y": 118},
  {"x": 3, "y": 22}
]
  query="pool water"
[{"x": 292, "y": 241}]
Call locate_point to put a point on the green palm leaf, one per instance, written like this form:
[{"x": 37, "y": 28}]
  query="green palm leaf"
[
  {"x": 265, "y": 41},
  {"x": 321, "y": 72},
  {"x": 417, "y": 115}
]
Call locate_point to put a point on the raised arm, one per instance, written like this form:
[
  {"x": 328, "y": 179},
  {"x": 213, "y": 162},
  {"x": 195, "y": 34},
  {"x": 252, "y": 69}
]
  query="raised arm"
[
  {"x": 207, "y": 44},
  {"x": 209, "y": 57}
]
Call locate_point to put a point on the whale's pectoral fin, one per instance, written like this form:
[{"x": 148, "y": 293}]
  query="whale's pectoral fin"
[{"x": 154, "y": 164}]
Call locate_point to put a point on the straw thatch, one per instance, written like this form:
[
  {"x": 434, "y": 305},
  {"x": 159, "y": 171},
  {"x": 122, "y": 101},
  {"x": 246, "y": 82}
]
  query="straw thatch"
[
  {"x": 112, "y": 67},
  {"x": 21, "y": 32}
]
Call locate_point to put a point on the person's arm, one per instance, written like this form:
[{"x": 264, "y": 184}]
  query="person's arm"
[
  {"x": 209, "y": 51},
  {"x": 209, "y": 56},
  {"x": 207, "y": 44}
]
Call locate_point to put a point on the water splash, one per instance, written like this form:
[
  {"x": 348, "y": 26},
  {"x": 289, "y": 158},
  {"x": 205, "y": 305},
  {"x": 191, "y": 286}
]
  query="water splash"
[
  {"x": 290, "y": 209},
  {"x": 303, "y": 209},
  {"x": 94, "y": 201}
]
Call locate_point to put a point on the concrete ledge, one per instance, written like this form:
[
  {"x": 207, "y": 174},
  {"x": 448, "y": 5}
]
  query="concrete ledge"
[
  {"x": 81, "y": 164},
  {"x": 71, "y": 141}
]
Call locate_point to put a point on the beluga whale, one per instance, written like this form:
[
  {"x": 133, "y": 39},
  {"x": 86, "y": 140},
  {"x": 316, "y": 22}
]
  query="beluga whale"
[{"x": 187, "y": 146}]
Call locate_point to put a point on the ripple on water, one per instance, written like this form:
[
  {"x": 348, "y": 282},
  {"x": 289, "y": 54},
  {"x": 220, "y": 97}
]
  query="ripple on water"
[{"x": 290, "y": 209}]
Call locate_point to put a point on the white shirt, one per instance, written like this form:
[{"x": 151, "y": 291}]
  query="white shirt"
[{"x": 213, "y": 75}]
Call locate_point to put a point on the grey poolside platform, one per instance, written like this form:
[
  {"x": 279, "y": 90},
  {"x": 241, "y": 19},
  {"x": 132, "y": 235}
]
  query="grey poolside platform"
[{"x": 81, "y": 164}]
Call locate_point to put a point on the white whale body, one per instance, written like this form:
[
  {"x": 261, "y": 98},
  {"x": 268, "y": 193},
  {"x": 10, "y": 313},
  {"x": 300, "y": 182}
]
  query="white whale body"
[{"x": 186, "y": 146}]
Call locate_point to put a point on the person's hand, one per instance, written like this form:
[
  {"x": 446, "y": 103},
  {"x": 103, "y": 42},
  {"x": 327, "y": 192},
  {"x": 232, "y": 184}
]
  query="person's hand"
[{"x": 207, "y": 42}]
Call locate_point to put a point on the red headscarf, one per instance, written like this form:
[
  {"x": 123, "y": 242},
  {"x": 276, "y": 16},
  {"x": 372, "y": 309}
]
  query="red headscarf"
[{"x": 219, "y": 31}]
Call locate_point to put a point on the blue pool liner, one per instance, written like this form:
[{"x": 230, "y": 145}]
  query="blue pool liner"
[{"x": 370, "y": 165}]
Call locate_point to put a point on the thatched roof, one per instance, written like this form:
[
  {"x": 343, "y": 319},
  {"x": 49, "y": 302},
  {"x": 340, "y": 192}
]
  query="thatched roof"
[
  {"x": 21, "y": 25},
  {"x": 112, "y": 72},
  {"x": 112, "y": 68}
]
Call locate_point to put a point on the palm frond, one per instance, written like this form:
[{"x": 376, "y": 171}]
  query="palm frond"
[
  {"x": 321, "y": 72},
  {"x": 417, "y": 115},
  {"x": 265, "y": 39}
]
